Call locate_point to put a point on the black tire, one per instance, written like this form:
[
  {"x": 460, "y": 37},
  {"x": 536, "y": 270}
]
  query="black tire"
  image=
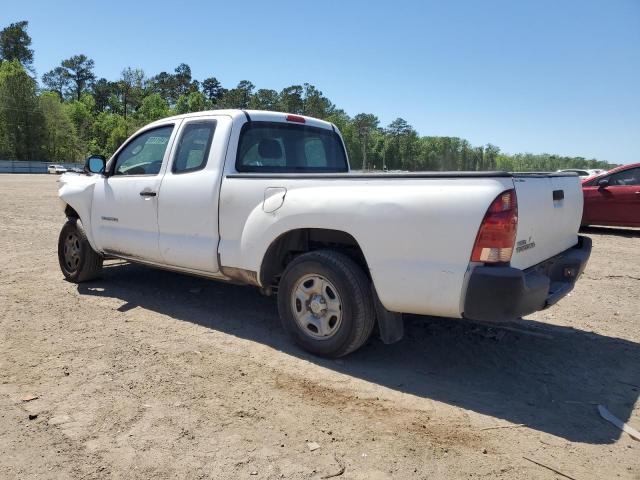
[
  {"x": 354, "y": 292},
  {"x": 84, "y": 263}
]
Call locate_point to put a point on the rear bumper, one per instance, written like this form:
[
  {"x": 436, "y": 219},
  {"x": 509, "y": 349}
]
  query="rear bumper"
[{"x": 498, "y": 294}]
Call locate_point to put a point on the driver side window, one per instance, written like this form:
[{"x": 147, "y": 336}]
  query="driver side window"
[
  {"x": 144, "y": 154},
  {"x": 625, "y": 178}
]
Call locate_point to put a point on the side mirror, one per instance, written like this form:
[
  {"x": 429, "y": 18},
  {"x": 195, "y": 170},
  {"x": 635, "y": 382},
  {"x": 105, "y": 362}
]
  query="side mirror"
[
  {"x": 604, "y": 183},
  {"x": 94, "y": 164}
]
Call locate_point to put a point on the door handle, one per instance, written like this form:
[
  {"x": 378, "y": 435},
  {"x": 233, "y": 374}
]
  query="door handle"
[{"x": 146, "y": 193}]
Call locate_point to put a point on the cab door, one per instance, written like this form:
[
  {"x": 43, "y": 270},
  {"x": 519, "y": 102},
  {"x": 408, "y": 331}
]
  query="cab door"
[
  {"x": 189, "y": 194},
  {"x": 125, "y": 204},
  {"x": 595, "y": 204}
]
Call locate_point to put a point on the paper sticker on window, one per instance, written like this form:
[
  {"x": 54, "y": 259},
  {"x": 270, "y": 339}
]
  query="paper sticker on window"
[{"x": 157, "y": 140}]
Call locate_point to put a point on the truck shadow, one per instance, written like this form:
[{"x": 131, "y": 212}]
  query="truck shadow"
[{"x": 547, "y": 377}]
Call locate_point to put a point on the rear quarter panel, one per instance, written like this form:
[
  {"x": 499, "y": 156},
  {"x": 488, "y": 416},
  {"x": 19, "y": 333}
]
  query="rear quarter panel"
[{"x": 416, "y": 234}]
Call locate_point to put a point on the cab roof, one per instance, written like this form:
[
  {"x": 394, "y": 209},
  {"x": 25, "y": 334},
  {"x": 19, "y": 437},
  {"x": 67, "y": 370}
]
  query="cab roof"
[{"x": 254, "y": 115}]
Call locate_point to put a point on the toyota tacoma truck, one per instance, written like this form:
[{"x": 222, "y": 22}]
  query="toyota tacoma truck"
[{"x": 267, "y": 199}]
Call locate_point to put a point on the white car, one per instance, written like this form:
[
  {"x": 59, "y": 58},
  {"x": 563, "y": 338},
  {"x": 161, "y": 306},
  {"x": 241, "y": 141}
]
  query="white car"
[
  {"x": 267, "y": 199},
  {"x": 57, "y": 169},
  {"x": 583, "y": 173}
]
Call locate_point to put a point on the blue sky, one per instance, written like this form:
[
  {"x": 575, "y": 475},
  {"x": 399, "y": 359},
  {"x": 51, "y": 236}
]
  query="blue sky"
[{"x": 529, "y": 76}]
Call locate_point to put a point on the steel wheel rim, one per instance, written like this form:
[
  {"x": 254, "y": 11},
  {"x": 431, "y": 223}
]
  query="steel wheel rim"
[
  {"x": 72, "y": 249},
  {"x": 317, "y": 307}
]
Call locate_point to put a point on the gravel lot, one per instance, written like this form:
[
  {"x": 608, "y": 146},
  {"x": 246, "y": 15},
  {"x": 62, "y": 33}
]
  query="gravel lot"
[{"x": 151, "y": 374}]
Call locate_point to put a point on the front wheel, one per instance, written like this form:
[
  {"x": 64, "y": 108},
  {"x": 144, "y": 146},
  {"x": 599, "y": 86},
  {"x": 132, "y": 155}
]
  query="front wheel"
[
  {"x": 325, "y": 303},
  {"x": 78, "y": 261}
]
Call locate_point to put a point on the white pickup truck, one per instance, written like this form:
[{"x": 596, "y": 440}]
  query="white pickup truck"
[{"x": 267, "y": 199}]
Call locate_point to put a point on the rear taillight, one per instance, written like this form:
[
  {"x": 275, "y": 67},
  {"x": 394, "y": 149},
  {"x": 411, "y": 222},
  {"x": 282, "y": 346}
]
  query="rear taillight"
[{"x": 497, "y": 235}]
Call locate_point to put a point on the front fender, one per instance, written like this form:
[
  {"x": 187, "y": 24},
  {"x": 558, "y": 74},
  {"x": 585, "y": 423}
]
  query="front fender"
[{"x": 76, "y": 191}]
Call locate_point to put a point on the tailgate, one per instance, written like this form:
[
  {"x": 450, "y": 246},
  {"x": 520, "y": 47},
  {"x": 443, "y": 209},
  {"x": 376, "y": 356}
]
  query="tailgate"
[{"x": 549, "y": 214}]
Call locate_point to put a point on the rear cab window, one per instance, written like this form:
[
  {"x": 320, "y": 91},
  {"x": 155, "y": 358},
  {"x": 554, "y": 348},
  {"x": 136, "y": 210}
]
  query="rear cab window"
[{"x": 274, "y": 147}]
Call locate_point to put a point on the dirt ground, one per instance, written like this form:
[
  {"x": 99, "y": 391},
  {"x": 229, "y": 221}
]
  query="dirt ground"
[{"x": 151, "y": 374}]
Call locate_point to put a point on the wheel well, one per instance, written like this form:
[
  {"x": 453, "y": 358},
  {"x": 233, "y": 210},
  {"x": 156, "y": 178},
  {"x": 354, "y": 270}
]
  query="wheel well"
[
  {"x": 70, "y": 212},
  {"x": 295, "y": 242}
]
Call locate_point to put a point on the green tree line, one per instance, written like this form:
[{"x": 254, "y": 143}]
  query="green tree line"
[{"x": 71, "y": 113}]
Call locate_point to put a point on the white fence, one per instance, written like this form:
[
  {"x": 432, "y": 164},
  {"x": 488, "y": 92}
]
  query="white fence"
[{"x": 23, "y": 166}]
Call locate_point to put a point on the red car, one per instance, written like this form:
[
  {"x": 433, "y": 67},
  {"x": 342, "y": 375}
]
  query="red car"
[{"x": 613, "y": 198}]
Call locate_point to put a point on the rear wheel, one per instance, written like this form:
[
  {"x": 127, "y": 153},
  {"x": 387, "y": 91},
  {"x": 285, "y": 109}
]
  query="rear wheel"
[
  {"x": 78, "y": 261},
  {"x": 325, "y": 303}
]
